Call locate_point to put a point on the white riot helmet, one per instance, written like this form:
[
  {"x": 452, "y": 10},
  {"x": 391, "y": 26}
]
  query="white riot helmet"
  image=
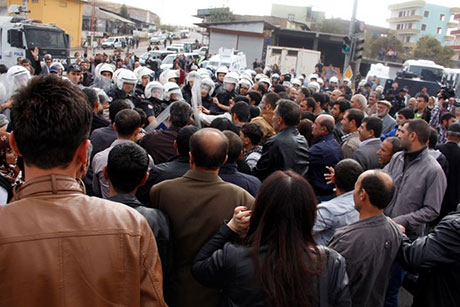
[
  {"x": 167, "y": 75},
  {"x": 125, "y": 76},
  {"x": 346, "y": 80},
  {"x": 204, "y": 73},
  {"x": 259, "y": 76},
  {"x": 301, "y": 78},
  {"x": 231, "y": 77},
  {"x": 315, "y": 86},
  {"x": 275, "y": 76},
  {"x": 313, "y": 76},
  {"x": 3, "y": 93},
  {"x": 361, "y": 83},
  {"x": 333, "y": 80},
  {"x": 266, "y": 80},
  {"x": 221, "y": 70},
  {"x": 19, "y": 75},
  {"x": 379, "y": 89},
  {"x": 207, "y": 82},
  {"x": 246, "y": 82},
  {"x": 296, "y": 81},
  {"x": 142, "y": 72},
  {"x": 104, "y": 67},
  {"x": 154, "y": 89},
  {"x": 320, "y": 81},
  {"x": 193, "y": 75},
  {"x": 171, "y": 88},
  {"x": 287, "y": 84}
]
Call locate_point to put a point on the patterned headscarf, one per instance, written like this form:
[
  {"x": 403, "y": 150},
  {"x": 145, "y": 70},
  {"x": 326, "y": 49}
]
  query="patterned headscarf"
[{"x": 8, "y": 171}]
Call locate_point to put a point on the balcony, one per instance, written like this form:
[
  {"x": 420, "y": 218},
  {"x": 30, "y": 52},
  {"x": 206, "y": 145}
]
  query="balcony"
[
  {"x": 408, "y": 31},
  {"x": 405, "y": 18},
  {"x": 452, "y": 25},
  {"x": 455, "y": 32},
  {"x": 455, "y": 10},
  {"x": 455, "y": 47},
  {"x": 457, "y": 17},
  {"x": 449, "y": 38},
  {"x": 406, "y": 5}
]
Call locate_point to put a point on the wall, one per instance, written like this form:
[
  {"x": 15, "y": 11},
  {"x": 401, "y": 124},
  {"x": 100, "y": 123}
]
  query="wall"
[
  {"x": 250, "y": 45},
  {"x": 433, "y": 21},
  {"x": 66, "y": 14},
  {"x": 283, "y": 11}
]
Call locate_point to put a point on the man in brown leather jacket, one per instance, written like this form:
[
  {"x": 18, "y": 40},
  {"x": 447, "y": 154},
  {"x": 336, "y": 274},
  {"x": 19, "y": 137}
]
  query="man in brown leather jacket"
[{"x": 59, "y": 247}]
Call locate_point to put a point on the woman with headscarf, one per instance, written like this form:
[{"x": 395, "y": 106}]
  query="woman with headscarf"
[{"x": 10, "y": 174}]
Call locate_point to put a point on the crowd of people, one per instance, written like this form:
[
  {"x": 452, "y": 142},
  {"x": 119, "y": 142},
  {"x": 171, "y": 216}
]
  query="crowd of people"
[{"x": 121, "y": 185}]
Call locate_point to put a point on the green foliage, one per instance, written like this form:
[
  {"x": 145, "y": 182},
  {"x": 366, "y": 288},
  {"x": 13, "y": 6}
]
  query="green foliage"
[
  {"x": 221, "y": 14},
  {"x": 169, "y": 28},
  {"x": 429, "y": 48},
  {"x": 372, "y": 47},
  {"x": 124, "y": 11},
  {"x": 334, "y": 26}
]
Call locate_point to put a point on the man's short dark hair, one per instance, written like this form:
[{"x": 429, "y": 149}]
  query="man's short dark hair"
[
  {"x": 343, "y": 105},
  {"x": 278, "y": 88},
  {"x": 261, "y": 88},
  {"x": 51, "y": 119},
  {"x": 320, "y": 97},
  {"x": 183, "y": 139},
  {"x": 420, "y": 127},
  {"x": 289, "y": 111},
  {"x": 144, "y": 121},
  {"x": 395, "y": 143},
  {"x": 223, "y": 124},
  {"x": 126, "y": 166},
  {"x": 272, "y": 99},
  {"x": 242, "y": 98},
  {"x": 447, "y": 116},
  {"x": 356, "y": 115},
  {"x": 375, "y": 124},
  {"x": 380, "y": 193},
  {"x": 253, "y": 132},
  {"x": 180, "y": 113},
  {"x": 306, "y": 91},
  {"x": 3, "y": 69},
  {"x": 204, "y": 156},
  {"x": 116, "y": 106},
  {"x": 311, "y": 103},
  {"x": 408, "y": 113},
  {"x": 255, "y": 111},
  {"x": 433, "y": 139},
  {"x": 347, "y": 172},
  {"x": 91, "y": 96},
  {"x": 126, "y": 122},
  {"x": 424, "y": 96},
  {"x": 235, "y": 145},
  {"x": 255, "y": 96},
  {"x": 242, "y": 111}
]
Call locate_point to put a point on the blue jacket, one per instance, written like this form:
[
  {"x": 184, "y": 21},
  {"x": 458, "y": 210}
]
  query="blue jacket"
[
  {"x": 324, "y": 152},
  {"x": 229, "y": 173}
]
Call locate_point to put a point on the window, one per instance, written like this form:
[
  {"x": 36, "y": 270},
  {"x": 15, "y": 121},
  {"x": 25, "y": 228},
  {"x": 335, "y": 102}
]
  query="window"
[
  {"x": 276, "y": 51},
  {"x": 439, "y": 30},
  {"x": 423, "y": 27},
  {"x": 426, "y": 13},
  {"x": 34, "y": 1},
  {"x": 398, "y": 27},
  {"x": 291, "y": 17},
  {"x": 442, "y": 17},
  {"x": 401, "y": 13},
  {"x": 412, "y": 12},
  {"x": 409, "y": 26},
  {"x": 407, "y": 39},
  {"x": 292, "y": 53}
]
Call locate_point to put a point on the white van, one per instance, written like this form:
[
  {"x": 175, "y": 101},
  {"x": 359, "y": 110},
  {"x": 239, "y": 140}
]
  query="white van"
[
  {"x": 114, "y": 42},
  {"x": 233, "y": 59}
]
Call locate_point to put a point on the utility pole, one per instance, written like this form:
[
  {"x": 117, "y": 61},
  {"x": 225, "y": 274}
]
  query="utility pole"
[
  {"x": 93, "y": 25},
  {"x": 25, "y": 8},
  {"x": 348, "y": 56}
]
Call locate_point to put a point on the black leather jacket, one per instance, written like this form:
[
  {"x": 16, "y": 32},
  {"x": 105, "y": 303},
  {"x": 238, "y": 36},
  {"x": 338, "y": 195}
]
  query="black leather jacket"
[
  {"x": 286, "y": 150},
  {"x": 437, "y": 258},
  {"x": 159, "y": 223},
  {"x": 229, "y": 267}
]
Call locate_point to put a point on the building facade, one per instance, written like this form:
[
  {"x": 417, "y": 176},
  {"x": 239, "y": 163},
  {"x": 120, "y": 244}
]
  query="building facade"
[
  {"x": 66, "y": 14},
  {"x": 302, "y": 14},
  {"x": 414, "y": 19},
  {"x": 454, "y": 37}
]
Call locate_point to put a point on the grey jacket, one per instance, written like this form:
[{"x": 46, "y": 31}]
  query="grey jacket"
[
  {"x": 350, "y": 144},
  {"x": 367, "y": 156},
  {"x": 419, "y": 192},
  {"x": 388, "y": 124},
  {"x": 370, "y": 247}
]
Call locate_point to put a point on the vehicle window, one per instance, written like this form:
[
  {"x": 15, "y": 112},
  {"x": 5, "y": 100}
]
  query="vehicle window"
[{"x": 44, "y": 38}]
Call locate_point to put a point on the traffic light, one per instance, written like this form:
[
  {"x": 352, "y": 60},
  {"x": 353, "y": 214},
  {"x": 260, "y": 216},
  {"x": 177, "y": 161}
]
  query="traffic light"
[
  {"x": 358, "y": 51},
  {"x": 346, "y": 47},
  {"x": 359, "y": 27}
]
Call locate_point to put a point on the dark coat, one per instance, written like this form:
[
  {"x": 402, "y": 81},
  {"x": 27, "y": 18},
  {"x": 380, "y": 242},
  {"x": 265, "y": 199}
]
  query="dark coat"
[
  {"x": 229, "y": 173},
  {"x": 160, "y": 144},
  {"x": 288, "y": 150},
  {"x": 452, "y": 196},
  {"x": 366, "y": 155}
]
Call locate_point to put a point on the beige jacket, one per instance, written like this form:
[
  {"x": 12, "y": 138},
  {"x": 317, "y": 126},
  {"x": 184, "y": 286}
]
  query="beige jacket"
[{"x": 60, "y": 247}]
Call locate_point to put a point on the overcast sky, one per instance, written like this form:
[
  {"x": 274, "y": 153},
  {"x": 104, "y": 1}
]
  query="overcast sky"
[{"x": 180, "y": 12}]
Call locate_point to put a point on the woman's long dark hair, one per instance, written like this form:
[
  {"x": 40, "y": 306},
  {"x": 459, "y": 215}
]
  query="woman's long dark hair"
[{"x": 282, "y": 220}]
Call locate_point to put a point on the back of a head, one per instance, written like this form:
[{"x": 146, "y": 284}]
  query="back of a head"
[
  {"x": 180, "y": 113},
  {"x": 347, "y": 172},
  {"x": 306, "y": 91},
  {"x": 278, "y": 88},
  {"x": 255, "y": 96},
  {"x": 408, "y": 113},
  {"x": 375, "y": 124},
  {"x": 116, "y": 106},
  {"x": 289, "y": 111},
  {"x": 222, "y": 124},
  {"x": 271, "y": 99},
  {"x": 209, "y": 148},
  {"x": 379, "y": 187},
  {"x": 319, "y": 97},
  {"x": 395, "y": 143},
  {"x": 254, "y": 132},
  {"x": 421, "y": 128},
  {"x": 126, "y": 122},
  {"x": 126, "y": 166},
  {"x": 51, "y": 118},
  {"x": 433, "y": 139},
  {"x": 235, "y": 145},
  {"x": 242, "y": 111},
  {"x": 91, "y": 96},
  {"x": 242, "y": 98},
  {"x": 343, "y": 105},
  {"x": 183, "y": 139},
  {"x": 362, "y": 99},
  {"x": 282, "y": 220}
]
